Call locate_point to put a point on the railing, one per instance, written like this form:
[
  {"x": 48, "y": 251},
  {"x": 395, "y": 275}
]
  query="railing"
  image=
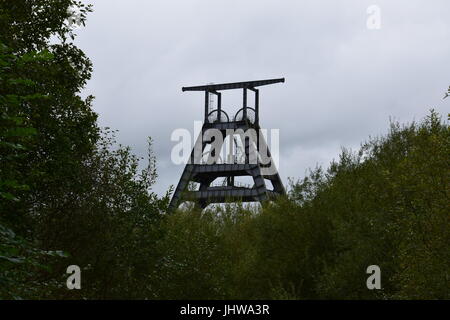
[{"x": 224, "y": 184}]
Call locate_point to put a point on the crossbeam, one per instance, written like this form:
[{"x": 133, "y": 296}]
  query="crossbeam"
[{"x": 233, "y": 85}]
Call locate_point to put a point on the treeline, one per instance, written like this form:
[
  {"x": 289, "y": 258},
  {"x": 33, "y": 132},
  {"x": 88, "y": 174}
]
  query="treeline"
[
  {"x": 66, "y": 196},
  {"x": 385, "y": 205},
  {"x": 70, "y": 196}
]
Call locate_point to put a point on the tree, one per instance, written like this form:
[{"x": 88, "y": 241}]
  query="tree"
[{"x": 67, "y": 188}]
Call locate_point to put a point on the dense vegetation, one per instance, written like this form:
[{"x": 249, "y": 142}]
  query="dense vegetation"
[{"x": 69, "y": 195}]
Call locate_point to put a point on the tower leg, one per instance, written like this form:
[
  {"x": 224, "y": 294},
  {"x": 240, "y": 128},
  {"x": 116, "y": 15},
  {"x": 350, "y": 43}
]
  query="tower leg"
[
  {"x": 186, "y": 177},
  {"x": 205, "y": 174}
]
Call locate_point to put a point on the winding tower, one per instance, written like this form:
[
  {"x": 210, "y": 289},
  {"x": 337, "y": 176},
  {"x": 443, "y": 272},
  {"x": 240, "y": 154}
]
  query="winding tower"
[{"x": 205, "y": 167}]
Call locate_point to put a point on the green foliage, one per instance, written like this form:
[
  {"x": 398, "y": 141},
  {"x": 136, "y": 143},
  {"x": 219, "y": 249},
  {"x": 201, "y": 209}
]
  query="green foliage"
[
  {"x": 391, "y": 210},
  {"x": 14, "y": 131},
  {"x": 386, "y": 205},
  {"x": 70, "y": 195},
  {"x": 110, "y": 228},
  {"x": 23, "y": 267},
  {"x": 191, "y": 260},
  {"x": 63, "y": 187}
]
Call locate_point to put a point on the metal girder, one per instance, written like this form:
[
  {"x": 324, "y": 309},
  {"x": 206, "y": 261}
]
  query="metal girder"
[
  {"x": 205, "y": 174},
  {"x": 233, "y": 85}
]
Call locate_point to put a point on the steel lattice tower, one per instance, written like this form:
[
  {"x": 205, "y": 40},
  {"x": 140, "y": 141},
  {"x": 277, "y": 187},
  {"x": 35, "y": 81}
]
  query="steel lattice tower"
[{"x": 204, "y": 174}]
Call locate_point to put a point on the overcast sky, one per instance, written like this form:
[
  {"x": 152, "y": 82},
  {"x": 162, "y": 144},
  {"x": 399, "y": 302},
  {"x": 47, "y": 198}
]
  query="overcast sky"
[{"x": 343, "y": 80}]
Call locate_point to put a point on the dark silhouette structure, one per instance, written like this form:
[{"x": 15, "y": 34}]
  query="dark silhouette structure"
[{"x": 253, "y": 162}]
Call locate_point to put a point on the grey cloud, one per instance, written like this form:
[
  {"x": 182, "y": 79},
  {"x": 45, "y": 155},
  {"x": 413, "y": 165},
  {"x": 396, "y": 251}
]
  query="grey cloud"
[{"x": 343, "y": 81}]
